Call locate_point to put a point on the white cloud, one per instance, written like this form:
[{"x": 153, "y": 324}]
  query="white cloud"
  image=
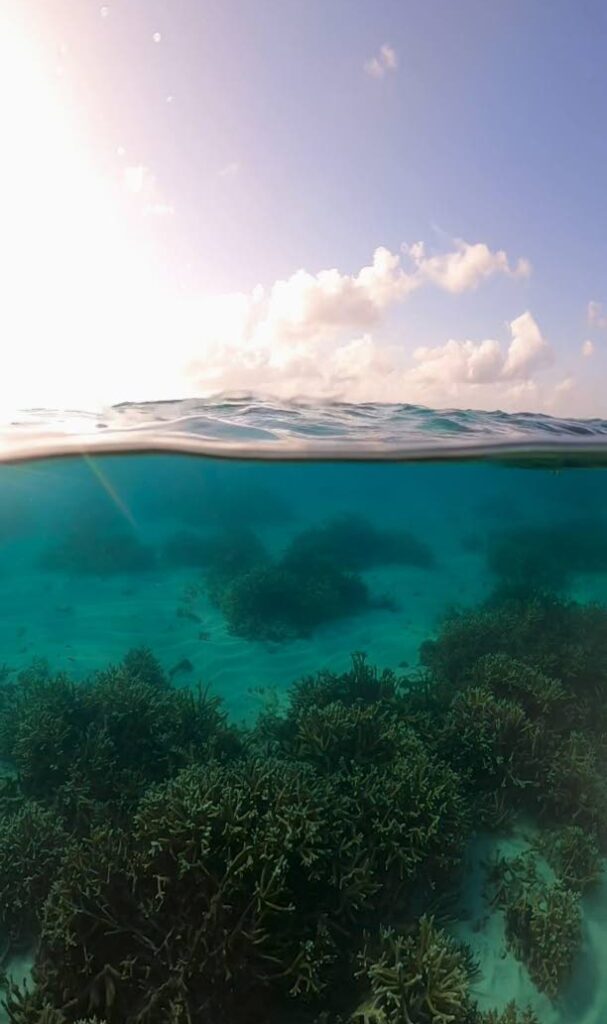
[
  {"x": 381, "y": 64},
  {"x": 484, "y": 362},
  {"x": 309, "y": 305},
  {"x": 595, "y": 315},
  {"x": 588, "y": 348},
  {"x": 466, "y": 266},
  {"x": 528, "y": 350}
]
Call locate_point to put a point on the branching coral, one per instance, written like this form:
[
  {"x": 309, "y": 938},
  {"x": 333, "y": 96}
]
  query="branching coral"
[
  {"x": 543, "y": 921},
  {"x": 562, "y": 639},
  {"x": 106, "y": 740},
  {"x": 361, "y": 684},
  {"x": 33, "y": 843},
  {"x": 511, "y": 1015},
  {"x": 415, "y": 979},
  {"x": 217, "y": 901},
  {"x": 574, "y": 855}
]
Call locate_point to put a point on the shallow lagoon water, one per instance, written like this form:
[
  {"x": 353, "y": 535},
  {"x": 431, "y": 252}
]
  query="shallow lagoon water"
[{"x": 427, "y": 824}]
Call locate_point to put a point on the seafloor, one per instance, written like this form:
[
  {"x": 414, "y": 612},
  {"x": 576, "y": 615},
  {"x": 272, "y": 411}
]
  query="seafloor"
[{"x": 412, "y": 837}]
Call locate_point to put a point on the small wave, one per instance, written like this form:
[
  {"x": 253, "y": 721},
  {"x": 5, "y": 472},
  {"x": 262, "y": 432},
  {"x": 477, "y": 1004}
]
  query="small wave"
[{"x": 248, "y": 426}]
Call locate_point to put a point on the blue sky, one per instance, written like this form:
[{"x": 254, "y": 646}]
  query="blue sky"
[{"x": 238, "y": 142}]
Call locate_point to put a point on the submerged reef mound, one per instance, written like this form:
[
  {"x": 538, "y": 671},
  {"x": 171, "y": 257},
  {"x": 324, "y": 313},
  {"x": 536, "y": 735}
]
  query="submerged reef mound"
[
  {"x": 547, "y": 556},
  {"x": 352, "y": 543},
  {"x": 222, "y": 555},
  {"x": 169, "y": 866},
  {"x": 103, "y": 551},
  {"x": 316, "y": 581},
  {"x": 274, "y": 603}
]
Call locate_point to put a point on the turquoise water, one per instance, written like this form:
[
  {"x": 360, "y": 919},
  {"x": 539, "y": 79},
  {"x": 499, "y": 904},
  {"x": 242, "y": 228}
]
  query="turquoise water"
[{"x": 311, "y": 739}]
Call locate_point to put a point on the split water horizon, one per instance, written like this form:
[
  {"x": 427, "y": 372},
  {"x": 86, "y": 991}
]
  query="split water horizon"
[{"x": 303, "y": 715}]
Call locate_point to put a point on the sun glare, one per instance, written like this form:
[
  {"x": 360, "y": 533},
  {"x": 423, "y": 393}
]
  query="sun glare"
[{"x": 76, "y": 284}]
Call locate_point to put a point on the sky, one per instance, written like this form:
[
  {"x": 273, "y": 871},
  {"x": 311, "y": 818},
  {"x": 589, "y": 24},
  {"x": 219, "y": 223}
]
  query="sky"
[{"x": 363, "y": 200}]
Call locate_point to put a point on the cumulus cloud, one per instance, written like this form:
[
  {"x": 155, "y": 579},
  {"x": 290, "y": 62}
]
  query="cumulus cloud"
[
  {"x": 588, "y": 348},
  {"x": 324, "y": 334},
  {"x": 466, "y": 266},
  {"x": 324, "y": 304},
  {"x": 382, "y": 63},
  {"x": 595, "y": 315},
  {"x": 485, "y": 362}
]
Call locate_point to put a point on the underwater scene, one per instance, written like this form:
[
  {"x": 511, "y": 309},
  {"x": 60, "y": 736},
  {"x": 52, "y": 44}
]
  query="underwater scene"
[{"x": 303, "y": 742}]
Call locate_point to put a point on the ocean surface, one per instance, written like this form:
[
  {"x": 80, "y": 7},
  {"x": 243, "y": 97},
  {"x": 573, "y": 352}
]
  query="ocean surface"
[{"x": 303, "y": 716}]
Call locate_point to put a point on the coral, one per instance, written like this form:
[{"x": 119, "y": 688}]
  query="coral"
[
  {"x": 415, "y": 979},
  {"x": 106, "y": 740},
  {"x": 217, "y": 903},
  {"x": 539, "y": 696},
  {"x": 511, "y": 1015},
  {"x": 545, "y": 557},
  {"x": 222, "y": 555},
  {"x": 33, "y": 843},
  {"x": 336, "y": 734},
  {"x": 574, "y": 790},
  {"x": 351, "y": 543},
  {"x": 562, "y": 639},
  {"x": 573, "y": 854},
  {"x": 362, "y": 684},
  {"x": 492, "y": 743},
  {"x": 87, "y": 551},
  {"x": 275, "y": 603},
  {"x": 542, "y": 918},
  {"x": 414, "y": 821}
]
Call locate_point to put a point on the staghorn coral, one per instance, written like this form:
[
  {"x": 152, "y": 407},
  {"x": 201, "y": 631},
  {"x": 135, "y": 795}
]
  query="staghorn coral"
[
  {"x": 511, "y": 1015},
  {"x": 33, "y": 843},
  {"x": 361, "y": 684},
  {"x": 574, "y": 856},
  {"x": 415, "y": 979},
  {"x": 562, "y": 639},
  {"x": 573, "y": 789},
  {"x": 490, "y": 740},
  {"x": 542, "y": 918},
  {"x": 539, "y": 696},
  {"x": 414, "y": 821},
  {"x": 219, "y": 900},
  {"x": 335, "y": 734},
  {"x": 77, "y": 746}
]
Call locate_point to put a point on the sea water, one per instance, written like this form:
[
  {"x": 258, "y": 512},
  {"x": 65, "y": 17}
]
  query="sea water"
[{"x": 304, "y": 736}]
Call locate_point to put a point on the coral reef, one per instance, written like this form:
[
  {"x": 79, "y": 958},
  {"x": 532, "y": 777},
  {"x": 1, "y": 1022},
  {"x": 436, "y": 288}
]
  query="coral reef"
[
  {"x": 353, "y": 544},
  {"x": 545, "y": 557},
  {"x": 275, "y": 603},
  {"x": 106, "y": 551},
  {"x": 172, "y": 867}
]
